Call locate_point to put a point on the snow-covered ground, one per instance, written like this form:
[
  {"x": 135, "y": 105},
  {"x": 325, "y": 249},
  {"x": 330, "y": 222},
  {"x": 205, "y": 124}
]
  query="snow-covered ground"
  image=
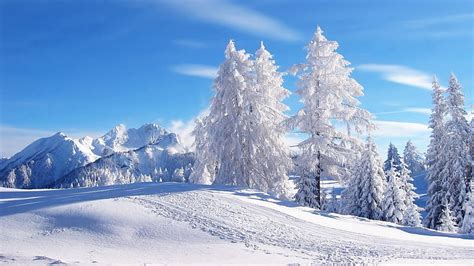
[{"x": 182, "y": 223}]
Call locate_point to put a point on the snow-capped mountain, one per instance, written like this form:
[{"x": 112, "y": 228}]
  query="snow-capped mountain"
[
  {"x": 47, "y": 160},
  {"x": 153, "y": 162},
  {"x": 121, "y": 139},
  {"x": 43, "y": 161}
]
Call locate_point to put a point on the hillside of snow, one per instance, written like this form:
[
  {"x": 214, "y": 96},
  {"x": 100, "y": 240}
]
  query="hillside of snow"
[{"x": 184, "y": 223}]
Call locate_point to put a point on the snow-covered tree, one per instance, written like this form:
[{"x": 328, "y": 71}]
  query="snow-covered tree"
[
  {"x": 436, "y": 192},
  {"x": 143, "y": 178},
  {"x": 240, "y": 142},
  {"x": 393, "y": 206},
  {"x": 468, "y": 220},
  {"x": 205, "y": 165},
  {"x": 266, "y": 157},
  {"x": 329, "y": 97},
  {"x": 445, "y": 222},
  {"x": 393, "y": 159},
  {"x": 471, "y": 146},
  {"x": 308, "y": 191},
  {"x": 455, "y": 150},
  {"x": 413, "y": 159},
  {"x": 364, "y": 194},
  {"x": 411, "y": 215},
  {"x": 178, "y": 175}
]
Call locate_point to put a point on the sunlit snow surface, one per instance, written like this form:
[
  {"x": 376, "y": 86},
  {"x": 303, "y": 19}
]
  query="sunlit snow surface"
[{"x": 183, "y": 223}]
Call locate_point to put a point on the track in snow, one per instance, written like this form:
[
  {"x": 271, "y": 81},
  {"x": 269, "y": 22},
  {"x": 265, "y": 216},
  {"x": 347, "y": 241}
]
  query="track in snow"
[{"x": 228, "y": 218}]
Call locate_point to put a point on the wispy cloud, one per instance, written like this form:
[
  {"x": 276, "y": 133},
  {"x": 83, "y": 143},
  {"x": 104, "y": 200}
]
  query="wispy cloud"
[
  {"x": 184, "y": 128},
  {"x": 425, "y": 111},
  {"x": 438, "y": 20},
  {"x": 416, "y": 110},
  {"x": 202, "y": 71},
  {"x": 233, "y": 15},
  {"x": 400, "y": 74},
  {"x": 400, "y": 129}
]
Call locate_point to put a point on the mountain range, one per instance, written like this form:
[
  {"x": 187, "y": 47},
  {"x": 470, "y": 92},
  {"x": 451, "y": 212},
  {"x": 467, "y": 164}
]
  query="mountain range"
[{"x": 129, "y": 154}]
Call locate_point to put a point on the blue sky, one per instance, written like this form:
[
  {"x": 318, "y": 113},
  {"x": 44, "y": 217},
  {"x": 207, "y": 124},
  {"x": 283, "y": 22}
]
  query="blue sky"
[{"x": 82, "y": 67}]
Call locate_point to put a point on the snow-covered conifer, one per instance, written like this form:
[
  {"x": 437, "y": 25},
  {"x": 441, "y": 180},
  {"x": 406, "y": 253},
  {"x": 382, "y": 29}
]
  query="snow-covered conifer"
[
  {"x": 178, "y": 175},
  {"x": 455, "y": 150},
  {"x": 205, "y": 165},
  {"x": 445, "y": 222},
  {"x": 393, "y": 158},
  {"x": 222, "y": 132},
  {"x": 413, "y": 159},
  {"x": 364, "y": 195},
  {"x": 243, "y": 133},
  {"x": 393, "y": 206},
  {"x": 411, "y": 215},
  {"x": 436, "y": 191},
  {"x": 329, "y": 97},
  {"x": 468, "y": 220}
]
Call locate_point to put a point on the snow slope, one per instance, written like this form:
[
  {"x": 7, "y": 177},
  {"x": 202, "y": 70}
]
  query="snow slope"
[{"x": 184, "y": 223}]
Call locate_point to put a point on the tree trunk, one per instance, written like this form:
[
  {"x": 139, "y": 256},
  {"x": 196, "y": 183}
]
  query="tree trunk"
[{"x": 318, "y": 181}]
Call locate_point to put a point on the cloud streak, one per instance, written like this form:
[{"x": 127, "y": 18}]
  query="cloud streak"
[
  {"x": 440, "y": 20},
  {"x": 400, "y": 75},
  {"x": 416, "y": 110},
  {"x": 202, "y": 71},
  {"x": 400, "y": 129},
  {"x": 232, "y": 15}
]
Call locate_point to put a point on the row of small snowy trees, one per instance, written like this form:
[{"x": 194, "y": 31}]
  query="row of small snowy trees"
[
  {"x": 450, "y": 161},
  {"x": 384, "y": 191}
]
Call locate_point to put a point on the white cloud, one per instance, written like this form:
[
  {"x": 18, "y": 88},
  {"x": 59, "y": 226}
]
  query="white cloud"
[
  {"x": 417, "y": 110},
  {"x": 401, "y": 75},
  {"x": 202, "y": 71},
  {"x": 439, "y": 20},
  {"x": 184, "y": 129},
  {"x": 425, "y": 111},
  {"x": 233, "y": 15},
  {"x": 400, "y": 129}
]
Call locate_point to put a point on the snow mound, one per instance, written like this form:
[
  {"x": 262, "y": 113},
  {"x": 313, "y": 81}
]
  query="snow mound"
[{"x": 184, "y": 223}]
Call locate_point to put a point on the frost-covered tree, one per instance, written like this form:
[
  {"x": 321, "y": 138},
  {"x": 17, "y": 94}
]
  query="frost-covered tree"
[
  {"x": 205, "y": 165},
  {"x": 413, "y": 159},
  {"x": 411, "y": 216},
  {"x": 178, "y": 175},
  {"x": 393, "y": 159},
  {"x": 455, "y": 150},
  {"x": 219, "y": 135},
  {"x": 445, "y": 222},
  {"x": 329, "y": 97},
  {"x": 468, "y": 220},
  {"x": 240, "y": 142},
  {"x": 265, "y": 155},
  {"x": 393, "y": 206},
  {"x": 471, "y": 147},
  {"x": 364, "y": 194},
  {"x": 436, "y": 191}
]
